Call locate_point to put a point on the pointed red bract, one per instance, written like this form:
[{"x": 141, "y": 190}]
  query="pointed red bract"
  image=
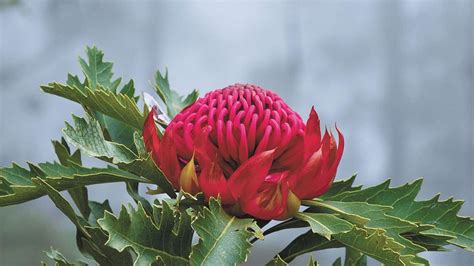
[
  {"x": 270, "y": 201},
  {"x": 150, "y": 136},
  {"x": 250, "y": 175},
  {"x": 302, "y": 183},
  {"x": 168, "y": 159},
  {"x": 312, "y": 137},
  {"x": 328, "y": 175}
]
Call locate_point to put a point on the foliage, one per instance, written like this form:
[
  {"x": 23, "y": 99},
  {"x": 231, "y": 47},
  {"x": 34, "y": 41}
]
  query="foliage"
[{"x": 385, "y": 223}]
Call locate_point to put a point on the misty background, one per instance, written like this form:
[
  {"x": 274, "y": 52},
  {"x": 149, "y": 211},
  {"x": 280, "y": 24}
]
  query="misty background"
[{"x": 396, "y": 76}]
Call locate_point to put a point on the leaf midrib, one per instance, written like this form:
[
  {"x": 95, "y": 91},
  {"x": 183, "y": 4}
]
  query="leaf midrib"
[{"x": 218, "y": 239}]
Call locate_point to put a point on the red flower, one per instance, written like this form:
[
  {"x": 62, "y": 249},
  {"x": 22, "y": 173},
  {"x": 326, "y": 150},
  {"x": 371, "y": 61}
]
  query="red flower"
[{"x": 247, "y": 146}]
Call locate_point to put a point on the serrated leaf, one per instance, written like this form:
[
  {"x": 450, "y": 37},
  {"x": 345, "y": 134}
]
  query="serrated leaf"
[
  {"x": 90, "y": 239},
  {"x": 167, "y": 240},
  {"x": 341, "y": 186},
  {"x": 102, "y": 254},
  {"x": 441, "y": 214},
  {"x": 224, "y": 239},
  {"x": 97, "y": 211},
  {"x": 21, "y": 187},
  {"x": 377, "y": 245},
  {"x": 60, "y": 260},
  {"x": 304, "y": 243},
  {"x": 118, "y": 106},
  {"x": 87, "y": 136},
  {"x": 132, "y": 190},
  {"x": 174, "y": 102},
  {"x": 355, "y": 258},
  {"x": 374, "y": 216},
  {"x": 325, "y": 224},
  {"x": 97, "y": 71},
  {"x": 78, "y": 194},
  {"x": 62, "y": 204}
]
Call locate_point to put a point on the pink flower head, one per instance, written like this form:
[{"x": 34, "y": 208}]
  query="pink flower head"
[{"x": 245, "y": 145}]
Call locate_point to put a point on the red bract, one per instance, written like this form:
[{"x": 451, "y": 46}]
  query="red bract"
[{"x": 245, "y": 145}]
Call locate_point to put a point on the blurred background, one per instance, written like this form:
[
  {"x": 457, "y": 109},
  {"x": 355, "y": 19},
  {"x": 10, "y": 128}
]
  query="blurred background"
[{"x": 397, "y": 77}]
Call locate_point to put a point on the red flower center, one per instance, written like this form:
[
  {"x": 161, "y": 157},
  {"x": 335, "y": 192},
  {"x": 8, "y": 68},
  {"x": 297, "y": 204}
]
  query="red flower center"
[{"x": 243, "y": 119}]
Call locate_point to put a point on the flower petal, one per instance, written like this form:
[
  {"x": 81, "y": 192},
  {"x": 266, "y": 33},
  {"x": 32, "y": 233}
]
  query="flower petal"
[
  {"x": 211, "y": 178},
  {"x": 168, "y": 159},
  {"x": 328, "y": 175},
  {"x": 270, "y": 201},
  {"x": 312, "y": 137},
  {"x": 251, "y": 174},
  {"x": 150, "y": 136},
  {"x": 302, "y": 182},
  {"x": 292, "y": 158}
]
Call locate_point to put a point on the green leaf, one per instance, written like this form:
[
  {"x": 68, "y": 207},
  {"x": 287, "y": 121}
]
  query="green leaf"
[
  {"x": 129, "y": 90},
  {"x": 62, "y": 204},
  {"x": 90, "y": 239},
  {"x": 337, "y": 262},
  {"x": 132, "y": 189},
  {"x": 307, "y": 242},
  {"x": 375, "y": 244},
  {"x": 20, "y": 187},
  {"x": 78, "y": 194},
  {"x": 166, "y": 241},
  {"x": 354, "y": 257},
  {"x": 341, "y": 186},
  {"x": 440, "y": 214},
  {"x": 174, "y": 102},
  {"x": 118, "y": 106},
  {"x": 325, "y": 224},
  {"x": 97, "y": 71},
  {"x": 97, "y": 211},
  {"x": 224, "y": 239},
  {"x": 87, "y": 136},
  {"x": 375, "y": 217},
  {"x": 60, "y": 260},
  {"x": 95, "y": 245}
]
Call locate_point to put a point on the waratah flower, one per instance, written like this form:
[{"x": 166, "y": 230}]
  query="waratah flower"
[{"x": 245, "y": 145}]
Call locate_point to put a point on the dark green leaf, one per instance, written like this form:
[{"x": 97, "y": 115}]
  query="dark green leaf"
[
  {"x": 87, "y": 136},
  {"x": 375, "y": 217},
  {"x": 325, "y": 224},
  {"x": 174, "y": 102},
  {"x": 341, "y": 186},
  {"x": 132, "y": 189},
  {"x": 354, "y": 258},
  {"x": 118, "y": 106},
  {"x": 167, "y": 241},
  {"x": 60, "y": 260},
  {"x": 224, "y": 239},
  {"x": 20, "y": 187},
  {"x": 97, "y": 71},
  {"x": 307, "y": 242},
  {"x": 441, "y": 214},
  {"x": 377, "y": 245},
  {"x": 62, "y": 204}
]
